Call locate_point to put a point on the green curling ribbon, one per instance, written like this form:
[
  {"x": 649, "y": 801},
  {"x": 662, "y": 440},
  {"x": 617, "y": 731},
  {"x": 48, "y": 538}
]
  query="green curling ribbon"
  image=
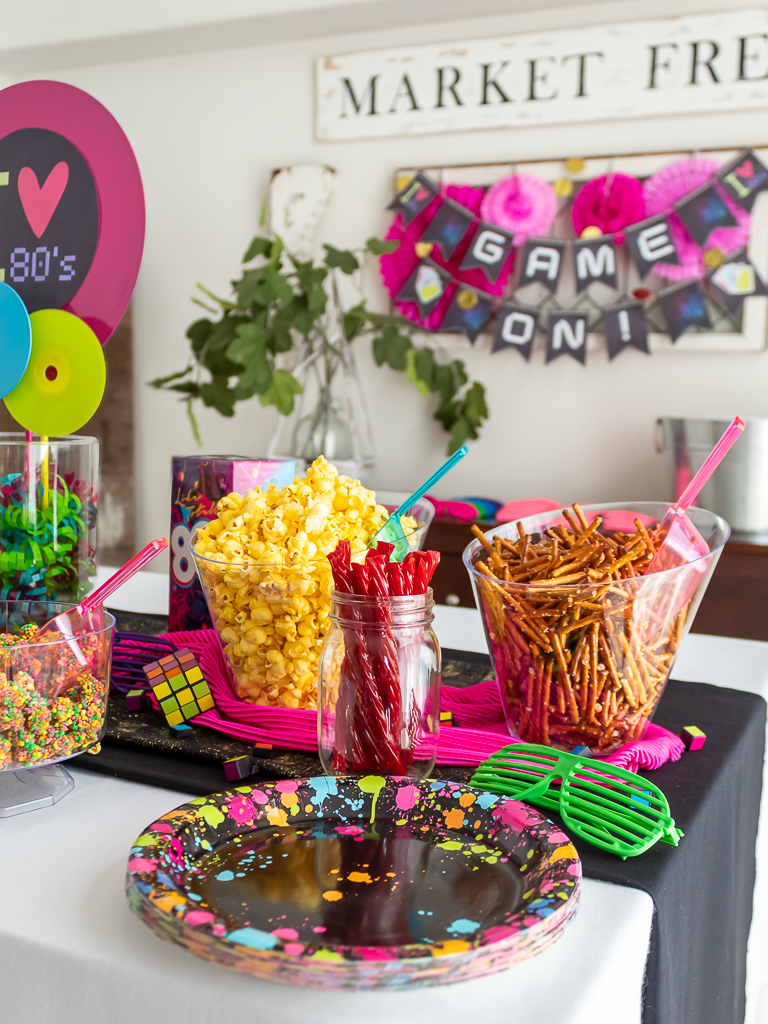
[{"x": 44, "y": 552}]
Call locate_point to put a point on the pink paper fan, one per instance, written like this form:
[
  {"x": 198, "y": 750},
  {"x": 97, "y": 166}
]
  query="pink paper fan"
[
  {"x": 522, "y": 204},
  {"x": 674, "y": 182},
  {"x": 396, "y": 267},
  {"x": 611, "y": 202}
]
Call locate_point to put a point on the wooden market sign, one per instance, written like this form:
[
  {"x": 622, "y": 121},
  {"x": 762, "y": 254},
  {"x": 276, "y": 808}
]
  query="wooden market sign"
[{"x": 635, "y": 69}]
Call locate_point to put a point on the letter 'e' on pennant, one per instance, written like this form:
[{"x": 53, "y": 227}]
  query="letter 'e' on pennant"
[
  {"x": 515, "y": 328},
  {"x": 650, "y": 242},
  {"x": 567, "y": 335}
]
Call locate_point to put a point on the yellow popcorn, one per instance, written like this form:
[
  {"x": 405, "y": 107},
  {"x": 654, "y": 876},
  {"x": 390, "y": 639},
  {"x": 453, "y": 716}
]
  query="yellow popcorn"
[{"x": 268, "y": 581}]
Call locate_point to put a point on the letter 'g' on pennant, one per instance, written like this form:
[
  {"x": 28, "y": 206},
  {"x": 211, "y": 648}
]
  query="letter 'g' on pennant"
[
  {"x": 684, "y": 309},
  {"x": 448, "y": 227},
  {"x": 515, "y": 328},
  {"x": 542, "y": 261},
  {"x": 650, "y": 242},
  {"x": 489, "y": 251},
  {"x": 567, "y": 335},
  {"x": 743, "y": 179},
  {"x": 468, "y": 312},
  {"x": 625, "y": 327},
  {"x": 415, "y": 197}
]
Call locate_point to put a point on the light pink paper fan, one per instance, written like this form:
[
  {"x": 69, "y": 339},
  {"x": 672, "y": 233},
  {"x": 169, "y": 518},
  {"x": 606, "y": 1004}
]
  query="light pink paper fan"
[
  {"x": 674, "y": 182},
  {"x": 522, "y": 204}
]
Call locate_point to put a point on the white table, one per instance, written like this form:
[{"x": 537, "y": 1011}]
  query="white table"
[{"x": 70, "y": 948}]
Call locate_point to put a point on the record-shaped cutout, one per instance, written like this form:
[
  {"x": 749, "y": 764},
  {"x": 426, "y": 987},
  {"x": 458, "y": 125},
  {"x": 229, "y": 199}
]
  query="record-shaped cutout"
[
  {"x": 64, "y": 382},
  {"x": 71, "y": 204},
  {"x": 15, "y": 339}
]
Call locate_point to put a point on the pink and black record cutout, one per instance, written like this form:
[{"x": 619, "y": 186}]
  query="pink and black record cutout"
[{"x": 71, "y": 204}]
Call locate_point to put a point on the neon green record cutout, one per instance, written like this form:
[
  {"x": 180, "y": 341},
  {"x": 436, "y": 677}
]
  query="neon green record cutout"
[{"x": 65, "y": 378}]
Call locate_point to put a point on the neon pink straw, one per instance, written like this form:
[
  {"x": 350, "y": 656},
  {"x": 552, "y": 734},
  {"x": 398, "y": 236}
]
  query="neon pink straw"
[
  {"x": 714, "y": 459},
  {"x": 118, "y": 579}
]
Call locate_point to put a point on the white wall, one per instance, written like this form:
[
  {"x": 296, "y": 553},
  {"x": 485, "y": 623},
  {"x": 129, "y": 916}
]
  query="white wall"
[{"x": 209, "y": 128}]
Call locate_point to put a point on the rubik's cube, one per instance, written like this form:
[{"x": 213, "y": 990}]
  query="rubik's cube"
[{"x": 179, "y": 685}]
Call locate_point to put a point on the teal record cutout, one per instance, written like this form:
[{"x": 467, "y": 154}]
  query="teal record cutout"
[{"x": 15, "y": 339}]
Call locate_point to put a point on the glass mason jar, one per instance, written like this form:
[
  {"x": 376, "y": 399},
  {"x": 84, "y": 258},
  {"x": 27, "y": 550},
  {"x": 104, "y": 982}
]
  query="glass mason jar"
[
  {"x": 587, "y": 663},
  {"x": 48, "y": 507},
  {"x": 379, "y": 687}
]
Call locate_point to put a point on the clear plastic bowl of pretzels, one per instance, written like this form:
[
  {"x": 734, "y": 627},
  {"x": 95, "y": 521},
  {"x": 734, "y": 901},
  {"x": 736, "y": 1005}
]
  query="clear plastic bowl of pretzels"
[{"x": 582, "y": 639}]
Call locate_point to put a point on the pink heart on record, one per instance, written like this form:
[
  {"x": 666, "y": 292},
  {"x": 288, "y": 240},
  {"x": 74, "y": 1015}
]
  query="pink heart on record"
[
  {"x": 745, "y": 170},
  {"x": 40, "y": 203}
]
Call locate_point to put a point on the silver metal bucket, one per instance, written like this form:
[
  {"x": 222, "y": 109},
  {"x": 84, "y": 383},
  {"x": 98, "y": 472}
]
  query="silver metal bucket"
[{"x": 738, "y": 489}]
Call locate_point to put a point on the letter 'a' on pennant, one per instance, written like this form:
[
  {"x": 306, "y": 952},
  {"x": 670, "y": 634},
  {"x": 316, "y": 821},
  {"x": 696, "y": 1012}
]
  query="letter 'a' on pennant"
[
  {"x": 426, "y": 286},
  {"x": 542, "y": 261},
  {"x": 448, "y": 227},
  {"x": 625, "y": 327},
  {"x": 415, "y": 197},
  {"x": 743, "y": 179},
  {"x": 650, "y": 242},
  {"x": 735, "y": 280},
  {"x": 702, "y": 211},
  {"x": 489, "y": 251},
  {"x": 468, "y": 312},
  {"x": 515, "y": 328},
  {"x": 684, "y": 308},
  {"x": 567, "y": 335},
  {"x": 594, "y": 260}
]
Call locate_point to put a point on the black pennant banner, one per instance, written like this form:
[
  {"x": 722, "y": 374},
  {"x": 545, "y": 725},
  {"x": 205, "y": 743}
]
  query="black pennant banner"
[
  {"x": 650, "y": 242},
  {"x": 625, "y": 327},
  {"x": 489, "y": 251},
  {"x": 567, "y": 335},
  {"x": 702, "y": 211},
  {"x": 684, "y": 309},
  {"x": 448, "y": 227},
  {"x": 542, "y": 261},
  {"x": 594, "y": 260},
  {"x": 734, "y": 281},
  {"x": 426, "y": 286},
  {"x": 468, "y": 312},
  {"x": 415, "y": 197},
  {"x": 743, "y": 179},
  {"x": 515, "y": 328}
]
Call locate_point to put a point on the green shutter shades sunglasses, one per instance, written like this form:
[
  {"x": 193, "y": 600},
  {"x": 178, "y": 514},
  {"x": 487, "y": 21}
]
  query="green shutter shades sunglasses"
[{"x": 604, "y": 805}]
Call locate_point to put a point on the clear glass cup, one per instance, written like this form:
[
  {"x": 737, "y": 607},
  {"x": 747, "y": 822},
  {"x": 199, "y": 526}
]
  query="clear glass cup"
[
  {"x": 48, "y": 505},
  {"x": 379, "y": 687},
  {"x": 596, "y": 684},
  {"x": 39, "y": 722},
  {"x": 423, "y": 511}
]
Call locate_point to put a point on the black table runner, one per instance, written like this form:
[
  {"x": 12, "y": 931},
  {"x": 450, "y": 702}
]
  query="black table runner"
[{"x": 702, "y": 889}]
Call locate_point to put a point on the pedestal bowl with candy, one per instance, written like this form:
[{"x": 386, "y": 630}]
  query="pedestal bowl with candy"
[
  {"x": 583, "y": 641},
  {"x": 44, "y": 718}
]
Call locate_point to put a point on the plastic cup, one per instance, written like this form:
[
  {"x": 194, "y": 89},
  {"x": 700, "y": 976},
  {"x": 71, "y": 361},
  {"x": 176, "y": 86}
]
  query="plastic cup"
[{"x": 635, "y": 626}]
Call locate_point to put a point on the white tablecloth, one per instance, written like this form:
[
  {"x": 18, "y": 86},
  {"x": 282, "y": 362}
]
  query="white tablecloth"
[{"x": 70, "y": 951}]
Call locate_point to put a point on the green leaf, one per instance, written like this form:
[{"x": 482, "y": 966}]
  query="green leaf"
[
  {"x": 256, "y": 379},
  {"x": 412, "y": 374},
  {"x": 225, "y": 304},
  {"x": 444, "y": 382},
  {"x": 392, "y": 348},
  {"x": 354, "y": 319},
  {"x": 345, "y": 260},
  {"x": 189, "y": 387},
  {"x": 250, "y": 338},
  {"x": 281, "y": 391},
  {"x": 447, "y": 413},
  {"x": 160, "y": 382},
  {"x": 475, "y": 409},
  {"x": 217, "y": 395},
  {"x": 277, "y": 251},
  {"x": 425, "y": 366},
  {"x": 461, "y": 372},
  {"x": 316, "y": 300},
  {"x": 247, "y": 285},
  {"x": 193, "y": 422},
  {"x": 379, "y": 246},
  {"x": 258, "y": 247},
  {"x": 273, "y": 287},
  {"x": 198, "y": 334}
]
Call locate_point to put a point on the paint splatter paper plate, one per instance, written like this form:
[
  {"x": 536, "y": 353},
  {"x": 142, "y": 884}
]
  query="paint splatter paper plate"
[{"x": 356, "y": 883}]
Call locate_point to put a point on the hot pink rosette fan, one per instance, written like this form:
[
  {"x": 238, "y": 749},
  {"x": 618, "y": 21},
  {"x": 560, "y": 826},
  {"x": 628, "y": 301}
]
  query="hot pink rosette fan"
[
  {"x": 610, "y": 203},
  {"x": 674, "y": 182},
  {"x": 396, "y": 267},
  {"x": 522, "y": 204}
]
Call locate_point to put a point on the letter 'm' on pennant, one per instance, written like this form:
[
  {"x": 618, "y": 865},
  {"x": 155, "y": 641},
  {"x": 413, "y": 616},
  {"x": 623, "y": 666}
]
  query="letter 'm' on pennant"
[
  {"x": 594, "y": 260},
  {"x": 515, "y": 328},
  {"x": 426, "y": 286},
  {"x": 625, "y": 327},
  {"x": 684, "y": 308},
  {"x": 468, "y": 312},
  {"x": 650, "y": 242},
  {"x": 448, "y": 227},
  {"x": 489, "y": 251},
  {"x": 743, "y": 179},
  {"x": 542, "y": 261},
  {"x": 415, "y": 197},
  {"x": 735, "y": 280},
  {"x": 567, "y": 335},
  {"x": 702, "y": 211}
]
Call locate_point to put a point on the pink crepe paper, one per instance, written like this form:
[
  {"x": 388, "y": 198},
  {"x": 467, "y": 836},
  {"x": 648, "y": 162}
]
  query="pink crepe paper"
[
  {"x": 478, "y": 708},
  {"x": 611, "y": 202},
  {"x": 522, "y": 204},
  {"x": 674, "y": 182},
  {"x": 396, "y": 267}
]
